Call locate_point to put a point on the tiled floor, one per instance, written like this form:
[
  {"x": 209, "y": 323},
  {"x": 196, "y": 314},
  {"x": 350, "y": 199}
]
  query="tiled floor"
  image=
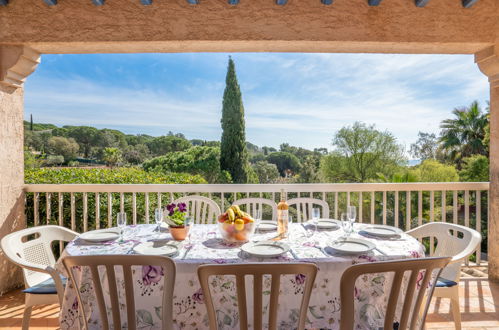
[{"x": 479, "y": 307}]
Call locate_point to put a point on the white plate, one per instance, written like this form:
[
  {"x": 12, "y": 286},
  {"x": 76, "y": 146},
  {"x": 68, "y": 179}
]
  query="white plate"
[
  {"x": 265, "y": 249},
  {"x": 267, "y": 225},
  {"x": 352, "y": 246},
  {"x": 156, "y": 249},
  {"x": 102, "y": 235},
  {"x": 382, "y": 231},
  {"x": 328, "y": 224}
]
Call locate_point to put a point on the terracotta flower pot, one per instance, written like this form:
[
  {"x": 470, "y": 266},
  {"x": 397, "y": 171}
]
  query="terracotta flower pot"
[{"x": 179, "y": 233}]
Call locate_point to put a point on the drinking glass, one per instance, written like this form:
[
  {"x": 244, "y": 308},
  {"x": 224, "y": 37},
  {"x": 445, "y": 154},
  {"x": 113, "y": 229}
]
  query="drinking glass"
[
  {"x": 189, "y": 222},
  {"x": 346, "y": 225},
  {"x": 309, "y": 229},
  {"x": 121, "y": 221},
  {"x": 158, "y": 217},
  {"x": 316, "y": 214},
  {"x": 351, "y": 214},
  {"x": 258, "y": 218}
]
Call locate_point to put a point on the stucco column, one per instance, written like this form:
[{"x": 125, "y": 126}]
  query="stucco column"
[
  {"x": 16, "y": 62},
  {"x": 488, "y": 62}
]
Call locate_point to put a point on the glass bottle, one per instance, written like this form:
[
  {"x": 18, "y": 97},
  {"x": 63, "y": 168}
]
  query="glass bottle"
[{"x": 282, "y": 217}]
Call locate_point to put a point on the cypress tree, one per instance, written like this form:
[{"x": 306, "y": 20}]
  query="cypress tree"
[
  {"x": 233, "y": 153},
  {"x": 31, "y": 122}
]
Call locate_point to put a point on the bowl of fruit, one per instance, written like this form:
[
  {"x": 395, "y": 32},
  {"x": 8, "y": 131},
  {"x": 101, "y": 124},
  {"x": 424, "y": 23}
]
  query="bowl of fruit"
[{"x": 236, "y": 225}]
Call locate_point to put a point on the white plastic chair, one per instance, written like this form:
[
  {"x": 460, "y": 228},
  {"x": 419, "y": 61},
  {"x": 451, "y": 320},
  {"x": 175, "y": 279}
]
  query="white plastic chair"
[
  {"x": 43, "y": 282},
  {"x": 202, "y": 209},
  {"x": 96, "y": 263},
  {"x": 304, "y": 206},
  {"x": 454, "y": 241},
  {"x": 253, "y": 205}
]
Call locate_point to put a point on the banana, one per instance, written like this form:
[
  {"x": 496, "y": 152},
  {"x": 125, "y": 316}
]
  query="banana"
[
  {"x": 237, "y": 210},
  {"x": 231, "y": 214}
]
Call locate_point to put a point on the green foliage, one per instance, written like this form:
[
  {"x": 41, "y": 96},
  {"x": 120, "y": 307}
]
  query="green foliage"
[
  {"x": 38, "y": 126},
  {"x": 52, "y": 160},
  {"x": 120, "y": 175},
  {"x": 112, "y": 156},
  {"x": 67, "y": 147},
  {"x": 37, "y": 140},
  {"x": 402, "y": 176},
  {"x": 433, "y": 171},
  {"x": 165, "y": 144},
  {"x": 266, "y": 172},
  {"x": 362, "y": 153},
  {"x": 86, "y": 137},
  {"x": 299, "y": 152},
  {"x": 463, "y": 135},
  {"x": 286, "y": 162},
  {"x": 426, "y": 147},
  {"x": 134, "y": 140},
  {"x": 136, "y": 154},
  {"x": 30, "y": 160},
  {"x": 309, "y": 172},
  {"x": 475, "y": 169},
  {"x": 234, "y": 156},
  {"x": 196, "y": 160}
]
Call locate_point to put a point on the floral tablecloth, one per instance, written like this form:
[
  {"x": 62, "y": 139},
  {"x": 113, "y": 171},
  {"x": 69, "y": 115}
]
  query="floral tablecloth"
[{"x": 206, "y": 246}]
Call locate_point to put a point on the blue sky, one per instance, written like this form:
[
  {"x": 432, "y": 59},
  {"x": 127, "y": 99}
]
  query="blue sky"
[{"x": 302, "y": 99}]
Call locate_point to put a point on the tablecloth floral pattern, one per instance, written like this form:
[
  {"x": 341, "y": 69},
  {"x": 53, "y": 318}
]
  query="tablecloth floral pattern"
[{"x": 206, "y": 246}]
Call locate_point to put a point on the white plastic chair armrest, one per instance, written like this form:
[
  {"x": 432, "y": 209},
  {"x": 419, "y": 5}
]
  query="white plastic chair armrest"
[{"x": 56, "y": 276}]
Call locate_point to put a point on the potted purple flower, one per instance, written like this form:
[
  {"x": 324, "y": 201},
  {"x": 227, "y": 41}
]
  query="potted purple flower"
[{"x": 177, "y": 220}]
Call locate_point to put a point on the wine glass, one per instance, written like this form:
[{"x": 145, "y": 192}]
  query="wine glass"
[
  {"x": 316, "y": 214},
  {"x": 189, "y": 222},
  {"x": 121, "y": 221},
  {"x": 291, "y": 235},
  {"x": 258, "y": 218},
  {"x": 158, "y": 217},
  {"x": 351, "y": 214},
  {"x": 346, "y": 224}
]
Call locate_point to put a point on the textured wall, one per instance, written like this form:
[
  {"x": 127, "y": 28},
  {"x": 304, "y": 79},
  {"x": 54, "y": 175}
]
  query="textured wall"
[
  {"x": 213, "y": 25},
  {"x": 11, "y": 178}
]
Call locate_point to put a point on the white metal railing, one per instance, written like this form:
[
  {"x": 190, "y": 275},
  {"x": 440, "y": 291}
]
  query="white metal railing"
[{"x": 405, "y": 205}]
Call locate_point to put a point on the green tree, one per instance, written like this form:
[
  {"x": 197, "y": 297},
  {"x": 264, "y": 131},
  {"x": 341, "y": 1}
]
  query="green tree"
[
  {"x": 287, "y": 163},
  {"x": 234, "y": 156},
  {"x": 52, "y": 160},
  {"x": 86, "y": 136},
  {"x": 426, "y": 147},
  {"x": 162, "y": 145},
  {"x": 196, "y": 160},
  {"x": 309, "y": 172},
  {"x": 362, "y": 153},
  {"x": 112, "y": 156},
  {"x": 30, "y": 160},
  {"x": 266, "y": 172},
  {"x": 112, "y": 138},
  {"x": 433, "y": 171},
  {"x": 136, "y": 154},
  {"x": 66, "y": 147},
  {"x": 475, "y": 169},
  {"x": 463, "y": 135}
]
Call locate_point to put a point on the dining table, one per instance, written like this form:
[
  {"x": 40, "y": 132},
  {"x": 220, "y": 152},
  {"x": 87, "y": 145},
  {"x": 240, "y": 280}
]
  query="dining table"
[{"x": 205, "y": 245}]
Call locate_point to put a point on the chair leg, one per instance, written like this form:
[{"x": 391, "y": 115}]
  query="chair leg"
[
  {"x": 456, "y": 313},
  {"x": 26, "y": 317}
]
